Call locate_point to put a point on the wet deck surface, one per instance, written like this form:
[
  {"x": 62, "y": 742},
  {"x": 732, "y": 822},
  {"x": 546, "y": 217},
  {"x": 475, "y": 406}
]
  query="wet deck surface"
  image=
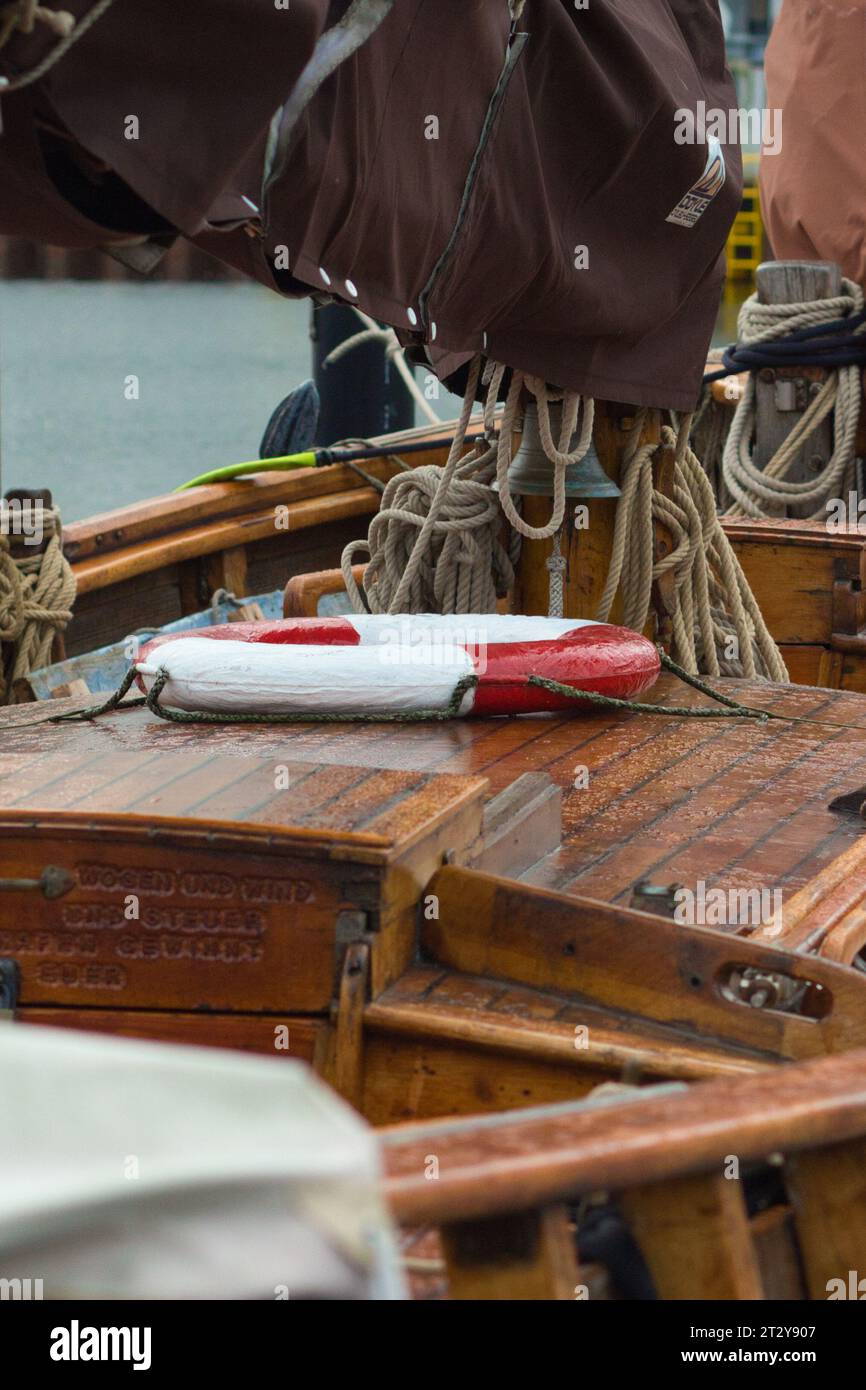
[{"x": 665, "y": 798}]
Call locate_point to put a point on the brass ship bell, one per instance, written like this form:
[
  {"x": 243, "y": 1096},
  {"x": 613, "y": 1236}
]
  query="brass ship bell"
[{"x": 531, "y": 471}]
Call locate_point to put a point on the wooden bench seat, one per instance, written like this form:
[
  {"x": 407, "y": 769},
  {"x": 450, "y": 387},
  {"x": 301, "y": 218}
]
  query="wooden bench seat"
[{"x": 438, "y": 1042}]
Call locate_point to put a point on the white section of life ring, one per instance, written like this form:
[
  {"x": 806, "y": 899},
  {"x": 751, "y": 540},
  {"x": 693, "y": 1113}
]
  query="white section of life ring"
[{"x": 259, "y": 678}]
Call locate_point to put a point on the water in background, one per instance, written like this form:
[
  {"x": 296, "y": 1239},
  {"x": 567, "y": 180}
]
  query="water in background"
[{"x": 211, "y": 361}]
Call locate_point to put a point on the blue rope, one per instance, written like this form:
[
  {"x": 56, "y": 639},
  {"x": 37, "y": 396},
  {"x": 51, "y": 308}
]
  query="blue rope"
[{"x": 833, "y": 344}]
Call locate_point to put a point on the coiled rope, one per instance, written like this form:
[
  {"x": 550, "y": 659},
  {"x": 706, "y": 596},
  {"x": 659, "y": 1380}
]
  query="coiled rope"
[
  {"x": 36, "y": 598},
  {"x": 435, "y": 544},
  {"x": 830, "y": 332},
  {"x": 716, "y": 624}
]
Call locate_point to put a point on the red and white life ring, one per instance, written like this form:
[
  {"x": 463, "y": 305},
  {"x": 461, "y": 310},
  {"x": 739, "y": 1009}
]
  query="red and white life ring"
[{"x": 381, "y": 664}]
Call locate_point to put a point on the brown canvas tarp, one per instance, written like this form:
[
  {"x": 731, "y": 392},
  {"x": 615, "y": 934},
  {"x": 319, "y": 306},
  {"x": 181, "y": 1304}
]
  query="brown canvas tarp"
[{"x": 477, "y": 189}]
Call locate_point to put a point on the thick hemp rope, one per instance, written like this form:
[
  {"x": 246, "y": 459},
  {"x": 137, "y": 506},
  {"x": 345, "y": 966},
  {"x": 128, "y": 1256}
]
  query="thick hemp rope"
[
  {"x": 760, "y": 493},
  {"x": 435, "y": 544},
  {"x": 36, "y": 598},
  {"x": 716, "y": 624}
]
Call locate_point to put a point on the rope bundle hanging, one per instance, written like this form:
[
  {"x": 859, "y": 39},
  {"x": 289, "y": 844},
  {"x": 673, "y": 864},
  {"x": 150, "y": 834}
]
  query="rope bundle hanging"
[
  {"x": 435, "y": 544},
  {"x": 560, "y": 456},
  {"x": 760, "y": 493},
  {"x": 716, "y": 624},
  {"x": 36, "y": 598}
]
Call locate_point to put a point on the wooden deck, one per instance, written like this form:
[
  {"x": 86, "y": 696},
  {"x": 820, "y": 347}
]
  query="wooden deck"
[
  {"x": 280, "y": 875},
  {"x": 664, "y": 798}
]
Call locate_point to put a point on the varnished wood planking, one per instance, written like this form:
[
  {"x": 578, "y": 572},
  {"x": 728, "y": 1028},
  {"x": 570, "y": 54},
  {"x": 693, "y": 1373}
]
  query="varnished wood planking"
[
  {"x": 304, "y": 797},
  {"x": 516, "y": 1162},
  {"x": 190, "y": 903},
  {"x": 408, "y": 1078},
  {"x": 390, "y": 805},
  {"x": 490, "y": 1015},
  {"x": 660, "y": 970},
  {"x": 211, "y": 537},
  {"x": 287, "y": 1036},
  {"x": 666, "y": 795},
  {"x": 663, "y": 793},
  {"x": 751, "y": 812},
  {"x": 694, "y": 1235}
]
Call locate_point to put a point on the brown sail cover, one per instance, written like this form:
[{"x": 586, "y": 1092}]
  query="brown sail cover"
[
  {"x": 813, "y": 192},
  {"x": 479, "y": 184}
]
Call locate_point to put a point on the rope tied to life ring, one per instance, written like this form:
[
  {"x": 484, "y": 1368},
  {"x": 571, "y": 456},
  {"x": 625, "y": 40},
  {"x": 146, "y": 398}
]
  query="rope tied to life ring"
[{"x": 731, "y": 709}]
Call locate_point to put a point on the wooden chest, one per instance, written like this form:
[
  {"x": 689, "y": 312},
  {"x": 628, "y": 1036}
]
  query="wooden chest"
[
  {"x": 204, "y": 896},
  {"x": 809, "y": 583}
]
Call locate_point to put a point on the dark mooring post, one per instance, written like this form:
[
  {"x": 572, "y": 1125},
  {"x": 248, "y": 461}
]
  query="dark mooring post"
[{"x": 362, "y": 393}]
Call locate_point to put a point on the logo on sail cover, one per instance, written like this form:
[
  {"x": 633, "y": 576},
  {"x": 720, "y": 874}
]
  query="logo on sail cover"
[{"x": 702, "y": 193}]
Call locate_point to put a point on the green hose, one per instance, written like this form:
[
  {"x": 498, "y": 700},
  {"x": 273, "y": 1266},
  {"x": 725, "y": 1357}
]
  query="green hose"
[{"x": 238, "y": 470}]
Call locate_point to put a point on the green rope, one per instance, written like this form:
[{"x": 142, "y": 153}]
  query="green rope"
[
  {"x": 93, "y": 710},
  {"x": 409, "y": 717},
  {"x": 592, "y": 697},
  {"x": 733, "y": 709},
  {"x": 697, "y": 684}
]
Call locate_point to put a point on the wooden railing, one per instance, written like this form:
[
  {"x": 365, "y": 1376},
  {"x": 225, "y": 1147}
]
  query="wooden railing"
[{"x": 499, "y": 1187}]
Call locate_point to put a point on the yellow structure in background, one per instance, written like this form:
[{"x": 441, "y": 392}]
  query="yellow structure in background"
[{"x": 745, "y": 247}]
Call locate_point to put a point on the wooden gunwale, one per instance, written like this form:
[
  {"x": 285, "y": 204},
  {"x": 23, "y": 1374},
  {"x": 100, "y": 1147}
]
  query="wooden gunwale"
[{"x": 514, "y": 1162}]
